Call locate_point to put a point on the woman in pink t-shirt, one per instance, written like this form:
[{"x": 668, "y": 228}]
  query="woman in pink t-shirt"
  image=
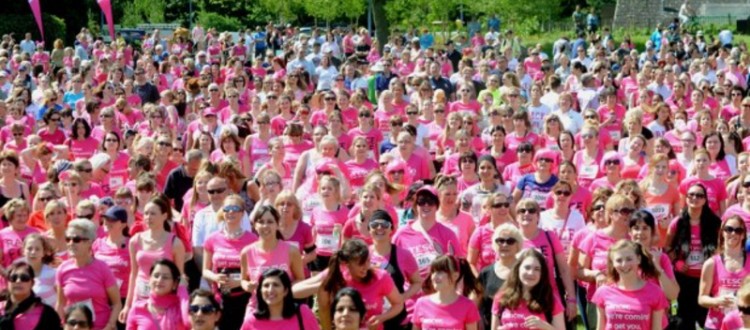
[
  {"x": 449, "y": 214},
  {"x": 503, "y": 155},
  {"x": 587, "y": 159},
  {"x": 527, "y": 299},
  {"x": 293, "y": 229},
  {"x": 328, "y": 220},
  {"x": 370, "y": 198},
  {"x": 716, "y": 190},
  {"x": 521, "y": 132},
  {"x": 611, "y": 167},
  {"x": 80, "y": 142},
  {"x": 692, "y": 239},
  {"x": 23, "y": 309},
  {"x": 221, "y": 260},
  {"x": 276, "y": 307},
  {"x": 82, "y": 279},
  {"x": 167, "y": 303},
  {"x": 112, "y": 249},
  {"x": 350, "y": 267},
  {"x": 16, "y": 211},
  {"x": 723, "y": 166},
  {"x": 630, "y": 301},
  {"x": 445, "y": 307},
  {"x": 723, "y": 273},
  {"x": 495, "y": 212},
  {"x": 361, "y": 164}
]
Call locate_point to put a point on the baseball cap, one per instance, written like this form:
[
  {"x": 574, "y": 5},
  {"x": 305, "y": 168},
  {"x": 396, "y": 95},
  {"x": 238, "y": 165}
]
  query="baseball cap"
[{"x": 116, "y": 213}]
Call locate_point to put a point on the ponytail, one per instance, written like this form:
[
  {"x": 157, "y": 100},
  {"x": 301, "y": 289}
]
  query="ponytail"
[
  {"x": 470, "y": 282},
  {"x": 334, "y": 280}
]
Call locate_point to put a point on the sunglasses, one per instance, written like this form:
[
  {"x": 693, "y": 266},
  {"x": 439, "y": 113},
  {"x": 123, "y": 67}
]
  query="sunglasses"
[
  {"x": 696, "y": 195},
  {"x": 85, "y": 216},
  {"x": 426, "y": 201},
  {"x": 545, "y": 160},
  {"x": 733, "y": 230},
  {"x": 746, "y": 184},
  {"x": 505, "y": 241},
  {"x": 45, "y": 199},
  {"x": 77, "y": 323},
  {"x": 565, "y": 193},
  {"x": 612, "y": 162},
  {"x": 744, "y": 309},
  {"x": 75, "y": 239},
  {"x": 330, "y": 99},
  {"x": 165, "y": 144},
  {"x": 626, "y": 211},
  {"x": 85, "y": 170},
  {"x": 439, "y": 111},
  {"x": 205, "y": 309},
  {"x": 590, "y": 117},
  {"x": 14, "y": 278},
  {"x": 525, "y": 150},
  {"x": 271, "y": 97},
  {"x": 530, "y": 210},
  {"x": 365, "y": 115},
  {"x": 380, "y": 225},
  {"x": 500, "y": 205},
  {"x": 232, "y": 208},
  {"x": 412, "y": 113},
  {"x": 216, "y": 191},
  {"x": 598, "y": 207}
]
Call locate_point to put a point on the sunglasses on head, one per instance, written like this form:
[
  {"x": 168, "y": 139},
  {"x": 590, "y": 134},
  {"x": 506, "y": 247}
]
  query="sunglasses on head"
[
  {"x": 505, "y": 241},
  {"x": 205, "y": 309}
]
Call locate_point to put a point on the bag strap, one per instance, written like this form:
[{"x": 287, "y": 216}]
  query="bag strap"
[{"x": 299, "y": 317}]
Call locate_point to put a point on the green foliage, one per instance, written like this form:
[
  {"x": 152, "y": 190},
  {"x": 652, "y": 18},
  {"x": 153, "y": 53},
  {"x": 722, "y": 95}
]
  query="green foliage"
[
  {"x": 142, "y": 11},
  {"x": 598, "y": 4},
  {"x": 524, "y": 16},
  {"x": 54, "y": 27},
  {"x": 220, "y": 22}
]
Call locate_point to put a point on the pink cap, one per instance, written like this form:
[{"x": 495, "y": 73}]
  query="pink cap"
[
  {"x": 210, "y": 111},
  {"x": 395, "y": 166},
  {"x": 428, "y": 189}
]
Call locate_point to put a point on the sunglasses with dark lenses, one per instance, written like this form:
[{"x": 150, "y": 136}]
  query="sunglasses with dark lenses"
[
  {"x": 733, "y": 230},
  {"x": 85, "y": 170},
  {"x": 565, "y": 193},
  {"x": 77, "y": 323},
  {"x": 426, "y": 201},
  {"x": 696, "y": 195},
  {"x": 505, "y": 241},
  {"x": 626, "y": 211},
  {"x": 412, "y": 113},
  {"x": 598, "y": 207},
  {"x": 23, "y": 277},
  {"x": 205, "y": 309},
  {"x": 500, "y": 205},
  {"x": 612, "y": 162},
  {"x": 525, "y": 150},
  {"x": 216, "y": 191},
  {"x": 746, "y": 184},
  {"x": 232, "y": 208},
  {"x": 75, "y": 239},
  {"x": 439, "y": 111},
  {"x": 85, "y": 216},
  {"x": 744, "y": 309},
  {"x": 530, "y": 210},
  {"x": 380, "y": 224},
  {"x": 545, "y": 160},
  {"x": 365, "y": 115}
]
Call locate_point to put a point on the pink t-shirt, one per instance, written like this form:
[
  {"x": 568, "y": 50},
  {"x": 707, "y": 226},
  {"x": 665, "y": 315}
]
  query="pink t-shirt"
[
  {"x": 373, "y": 138},
  {"x": 406, "y": 262},
  {"x": 358, "y": 172},
  {"x": 225, "y": 254},
  {"x": 309, "y": 322},
  {"x": 302, "y": 236},
  {"x": 716, "y": 190},
  {"x": 512, "y": 140},
  {"x": 83, "y": 149},
  {"x": 323, "y": 222},
  {"x": 463, "y": 226},
  {"x": 630, "y": 309},
  {"x": 481, "y": 240},
  {"x": 26, "y": 320},
  {"x": 549, "y": 247},
  {"x": 429, "y": 315},
  {"x": 596, "y": 246},
  {"x": 695, "y": 257},
  {"x": 175, "y": 314},
  {"x": 732, "y": 321},
  {"x": 117, "y": 259},
  {"x": 425, "y": 251},
  {"x": 87, "y": 285},
  {"x": 724, "y": 283},
  {"x": 514, "y": 319},
  {"x": 11, "y": 242}
]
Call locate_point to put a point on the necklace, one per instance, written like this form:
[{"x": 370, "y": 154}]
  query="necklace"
[{"x": 233, "y": 235}]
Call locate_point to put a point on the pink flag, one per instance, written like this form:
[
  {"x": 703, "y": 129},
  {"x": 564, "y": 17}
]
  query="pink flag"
[
  {"x": 36, "y": 8},
  {"x": 106, "y": 6}
]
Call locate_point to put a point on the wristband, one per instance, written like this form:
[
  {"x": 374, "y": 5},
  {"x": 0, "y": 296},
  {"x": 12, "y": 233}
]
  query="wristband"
[{"x": 571, "y": 299}]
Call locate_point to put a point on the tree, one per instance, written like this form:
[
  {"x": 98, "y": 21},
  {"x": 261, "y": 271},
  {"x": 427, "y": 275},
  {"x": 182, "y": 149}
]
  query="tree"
[
  {"x": 140, "y": 11},
  {"x": 382, "y": 25}
]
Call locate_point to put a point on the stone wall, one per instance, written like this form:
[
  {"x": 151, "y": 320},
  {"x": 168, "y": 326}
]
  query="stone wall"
[{"x": 646, "y": 13}]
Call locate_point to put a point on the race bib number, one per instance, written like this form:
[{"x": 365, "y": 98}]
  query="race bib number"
[
  {"x": 539, "y": 196},
  {"x": 142, "y": 289},
  {"x": 115, "y": 182},
  {"x": 615, "y": 135},
  {"x": 589, "y": 172},
  {"x": 326, "y": 242},
  {"x": 425, "y": 259},
  {"x": 661, "y": 213},
  {"x": 695, "y": 259}
]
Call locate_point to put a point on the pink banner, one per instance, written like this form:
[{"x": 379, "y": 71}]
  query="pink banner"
[
  {"x": 106, "y": 6},
  {"x": 36, "y": 8}
]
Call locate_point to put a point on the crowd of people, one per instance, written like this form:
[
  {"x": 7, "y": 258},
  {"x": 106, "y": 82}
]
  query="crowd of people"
[{"x": 279, "y": 179}]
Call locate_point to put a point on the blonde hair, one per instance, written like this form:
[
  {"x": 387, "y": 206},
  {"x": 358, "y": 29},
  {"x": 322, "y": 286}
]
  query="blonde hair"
[
  {"x": 288, "y": 196},
  {"x": 14, "y": 205},
  {"x": 511, "y": 230},
  {"x": 237, "y": 199},
  {"x": 52, "y": 206}
]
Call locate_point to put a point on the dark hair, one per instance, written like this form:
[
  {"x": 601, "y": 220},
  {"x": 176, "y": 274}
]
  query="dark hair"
[
  {"x": 511, "y": 293},
  {"x": 452, "y": 265},
  {"x": 467, "y": 155},
  {"x": 671, "y": 154},
  {"x": 354, "y": 250},
  {"x": 572, "y": 138},
  {"x": 175, "y": 272},
  {"x": 645, "y": 217},
  {"x": 493, "y": 130},
  {"x": 709, "y": 226},
  {"x": 289, "y": 309},
  {"x": 354, "y": 295},
  {"x": 721, "y": 154},
  {"x": 493, "y": 161},
  {"x": 203, "y": 293},
  {"x": 263, "y": 209},
  {"x": 20, "y": 264},
  {"x": 117, "y": 136},
  {"x": 87, "y": 313},
  {"x": 163, "y": 204},
  {"x": 720, "y": 247},
  {"x": 74, "y": 130}
]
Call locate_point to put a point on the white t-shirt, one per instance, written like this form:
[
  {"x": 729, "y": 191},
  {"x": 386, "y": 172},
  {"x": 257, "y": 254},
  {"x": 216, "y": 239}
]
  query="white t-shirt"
[
  {"x": 205, "y": 224},
  {"x": 575, "y": 222},
  {"x": 572, "y": 120},
  {"x": 536, "y": 114}
]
